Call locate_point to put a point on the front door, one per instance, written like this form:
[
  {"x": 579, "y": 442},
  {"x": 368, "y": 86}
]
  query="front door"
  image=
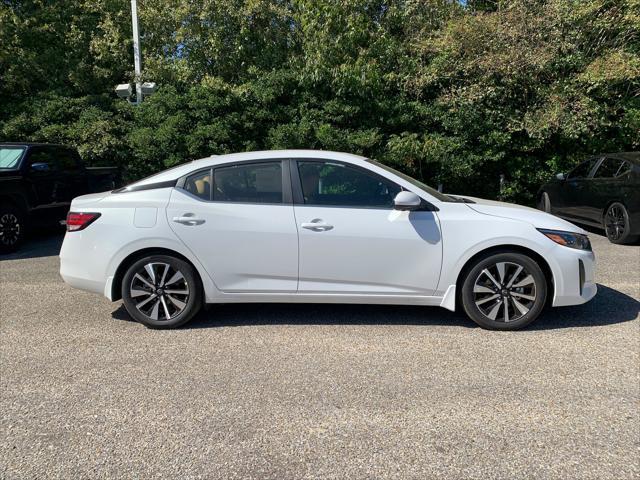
[
  {"x": 351, "y": 239},
  {"x": 574, "y": 192},
  {"x": 237, "y": 221}
]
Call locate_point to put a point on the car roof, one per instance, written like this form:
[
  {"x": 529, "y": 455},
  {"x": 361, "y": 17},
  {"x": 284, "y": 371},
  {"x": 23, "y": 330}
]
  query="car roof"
[
  {"x": 185, "y": 168},
  {"x": 633, "y": 157},
  {"x": 32, "y": 144}
]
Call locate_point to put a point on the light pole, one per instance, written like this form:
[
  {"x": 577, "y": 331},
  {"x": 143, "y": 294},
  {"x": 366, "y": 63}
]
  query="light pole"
[
  {"x": 142, "y": 90},
  {"x": 136, "y": 50}
]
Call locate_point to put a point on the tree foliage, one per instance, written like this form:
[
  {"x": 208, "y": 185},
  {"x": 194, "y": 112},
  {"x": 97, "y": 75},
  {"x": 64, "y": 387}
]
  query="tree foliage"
[{"x": 452, "y": 93}]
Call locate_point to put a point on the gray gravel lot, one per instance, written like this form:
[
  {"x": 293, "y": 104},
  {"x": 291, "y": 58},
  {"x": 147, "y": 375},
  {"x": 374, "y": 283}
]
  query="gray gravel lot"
[{"x": 312, "y": 391}]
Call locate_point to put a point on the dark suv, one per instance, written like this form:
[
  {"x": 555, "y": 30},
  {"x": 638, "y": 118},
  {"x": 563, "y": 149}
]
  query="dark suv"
[{"x": 38, "y": 182}]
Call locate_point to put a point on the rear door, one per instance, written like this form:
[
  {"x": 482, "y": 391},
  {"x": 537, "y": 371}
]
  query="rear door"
[
  {"x": 44, "y": 180},
  {"x": 238, "y": 221},
  {"x": 353, "y": 241},
  {"x": 605, "y": 187}
]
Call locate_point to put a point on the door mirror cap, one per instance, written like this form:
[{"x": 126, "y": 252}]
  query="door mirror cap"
[
  {"x": 40, "y": 167},
  {"x": 561, "y": 176},
  {"x": 407, "y": 201}
]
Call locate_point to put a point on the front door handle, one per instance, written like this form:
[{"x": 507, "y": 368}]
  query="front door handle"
[
  {"x": 188, "y": 219},
  {"x": 317, "y": 225}
]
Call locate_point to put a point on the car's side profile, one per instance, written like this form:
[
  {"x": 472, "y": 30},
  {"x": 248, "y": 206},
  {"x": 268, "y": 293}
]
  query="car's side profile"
[
  {"x": 602, "y": 192},
  {"x": 316, "y": 226}
]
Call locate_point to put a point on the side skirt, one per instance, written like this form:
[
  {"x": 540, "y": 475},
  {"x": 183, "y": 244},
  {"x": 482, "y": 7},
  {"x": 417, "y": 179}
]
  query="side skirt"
[{"x": 329, "y": 298}]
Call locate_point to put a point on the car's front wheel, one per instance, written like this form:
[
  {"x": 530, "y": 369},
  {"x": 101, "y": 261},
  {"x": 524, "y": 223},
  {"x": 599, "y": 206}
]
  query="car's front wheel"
[
  {"x": 12, "y": 228},
  {"x": 504, "y": 291},
  {"x": 161, "y": 291}
]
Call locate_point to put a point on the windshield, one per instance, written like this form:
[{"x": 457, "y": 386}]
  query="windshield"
[
  {"x": 10, "y": 156},
  {"x": 431, "y": 191}
]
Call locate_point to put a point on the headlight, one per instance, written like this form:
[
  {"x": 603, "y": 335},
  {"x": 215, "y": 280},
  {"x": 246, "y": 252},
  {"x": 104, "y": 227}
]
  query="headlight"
[{"x": 568, "y": 239}]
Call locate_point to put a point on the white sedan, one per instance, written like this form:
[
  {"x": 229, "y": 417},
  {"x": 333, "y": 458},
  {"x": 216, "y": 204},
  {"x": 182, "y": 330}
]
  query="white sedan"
[{"x": 316, "y": 226}]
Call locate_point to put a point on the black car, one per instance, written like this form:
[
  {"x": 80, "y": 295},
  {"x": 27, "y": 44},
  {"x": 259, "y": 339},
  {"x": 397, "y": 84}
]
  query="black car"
[
  {"x": 602, "y": 192},
  {"x": 38, "y": 182}
]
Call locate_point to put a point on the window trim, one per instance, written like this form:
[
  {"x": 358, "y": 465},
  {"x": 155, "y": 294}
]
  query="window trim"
[
  {"x": 298, "y": 196},
  {"x": 286, "y": 181}
]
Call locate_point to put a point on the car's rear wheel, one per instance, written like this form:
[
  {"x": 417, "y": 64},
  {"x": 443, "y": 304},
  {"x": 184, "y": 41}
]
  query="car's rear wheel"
[
  {"x": 617, "y": 225},
  {"x": 161, "y": 291},
  {"x": 504, "y": 291},
  {"x": 12, "y": 228}
]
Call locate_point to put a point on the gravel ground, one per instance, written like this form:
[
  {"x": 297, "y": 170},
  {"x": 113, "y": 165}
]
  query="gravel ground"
[{"x": 312, "y": 391}]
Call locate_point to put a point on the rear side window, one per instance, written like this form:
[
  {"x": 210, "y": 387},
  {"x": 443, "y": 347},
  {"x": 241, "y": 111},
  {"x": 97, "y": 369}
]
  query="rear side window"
[
  {"x": 199, "y": 184},
  {"x": 624, "y": 169},
  {"x": 329, "y": 183},
  {"x": 608, "y": 168},
  {"x": 248, "y": 183}
]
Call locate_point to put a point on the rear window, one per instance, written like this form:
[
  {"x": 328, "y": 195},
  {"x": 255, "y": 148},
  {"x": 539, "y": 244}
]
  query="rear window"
[{"x": 10, "y": 156}]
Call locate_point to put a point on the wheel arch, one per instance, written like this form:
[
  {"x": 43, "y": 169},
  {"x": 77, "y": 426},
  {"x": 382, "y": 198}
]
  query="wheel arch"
[
  {"x": 507, "y": 248},
  {"x": 116, "y": 285},
  {"x": 14, "y": 201}
]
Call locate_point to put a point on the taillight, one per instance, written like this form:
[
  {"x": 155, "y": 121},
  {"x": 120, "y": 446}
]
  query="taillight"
[{"x": 80, "y": 220}]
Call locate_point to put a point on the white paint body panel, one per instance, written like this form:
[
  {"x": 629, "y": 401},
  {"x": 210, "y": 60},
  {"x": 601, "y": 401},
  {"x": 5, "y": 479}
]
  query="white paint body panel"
[
  {"x": 374, "y": 251},
  {"x": 244, "y": 248},
  {"x": 260, "y": 253}
]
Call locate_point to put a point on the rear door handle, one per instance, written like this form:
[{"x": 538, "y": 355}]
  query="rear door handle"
[
  {"x": 317, "y": 225},
  {"x": 188, "y": 219}
]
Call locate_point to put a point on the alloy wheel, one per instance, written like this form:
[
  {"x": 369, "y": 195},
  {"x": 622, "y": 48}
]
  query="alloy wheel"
[
  {"x": 159, "y": 291},
  {"x": 504, "y": 292},
  {"x": 615, "y": 223},
  {"x": 9, "y": 229}
]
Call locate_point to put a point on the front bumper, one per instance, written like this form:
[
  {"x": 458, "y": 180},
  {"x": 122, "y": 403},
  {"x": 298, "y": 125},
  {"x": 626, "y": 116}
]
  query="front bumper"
[{"x": 574, "y": 277}]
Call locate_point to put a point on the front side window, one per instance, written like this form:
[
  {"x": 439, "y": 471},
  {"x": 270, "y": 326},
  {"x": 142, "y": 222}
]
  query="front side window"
[
  {"x": 248, "y": 183},
  {"x": 42, "y": 155},
  {"x": 199, "y": 184},
  {"x": 10, "y": 156},
  {"x": 336, "y": 184},
  {"x": 582, "y": 170}
]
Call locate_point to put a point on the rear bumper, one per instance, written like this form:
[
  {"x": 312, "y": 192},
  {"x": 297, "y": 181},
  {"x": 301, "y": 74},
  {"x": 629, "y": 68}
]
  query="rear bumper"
[{"x": 82, "y": 263}]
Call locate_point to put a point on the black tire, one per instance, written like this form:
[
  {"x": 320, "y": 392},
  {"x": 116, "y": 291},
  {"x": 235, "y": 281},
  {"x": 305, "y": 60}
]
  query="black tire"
[
  {"x": 617, "y": 224},
  {"x": 149, "y": 296},
  {"x": 12, "y": 228},
  {"x": 525, "y": 297},
  {"x": 545, "y": 203}
]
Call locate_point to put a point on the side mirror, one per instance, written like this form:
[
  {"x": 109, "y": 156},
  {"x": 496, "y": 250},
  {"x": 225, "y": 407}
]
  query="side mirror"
[
  {"x": 561, "y": 176},
  {"x": 407, "y": 201},
  {"x": 40, "y": 167}
]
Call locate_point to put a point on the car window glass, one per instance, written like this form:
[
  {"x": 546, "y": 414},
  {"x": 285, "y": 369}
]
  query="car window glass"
[
  {"x": 252, "y": 183},
  {"x": 608, "y": 168},
  {"x": 625, "y": 168},
  {"x": 43, "y": 156},
  {"x": 328, "y": 183},
  {"x": 10, "y": 156},
  {"x": 199, "y": 184},
  {"x": 582, "y": 170}
]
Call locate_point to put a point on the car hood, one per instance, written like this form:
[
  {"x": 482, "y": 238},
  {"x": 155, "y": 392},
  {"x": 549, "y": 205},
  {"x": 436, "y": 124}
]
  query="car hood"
[{"x": 512, "y": 211}]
